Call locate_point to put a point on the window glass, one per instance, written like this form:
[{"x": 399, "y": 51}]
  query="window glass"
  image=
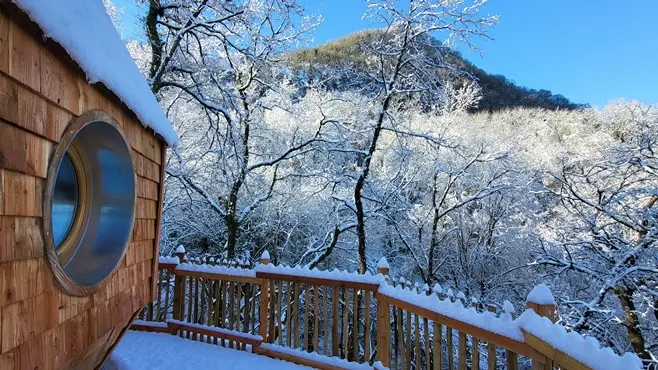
[{"x": 65, "y": 200}]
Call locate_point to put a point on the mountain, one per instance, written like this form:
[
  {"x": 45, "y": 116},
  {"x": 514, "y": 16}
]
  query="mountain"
[{"x": 339, "y": 63}]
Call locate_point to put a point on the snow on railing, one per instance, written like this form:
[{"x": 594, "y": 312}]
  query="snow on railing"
[
  {"x": 485, "y": 320},
  {"x": 586, "y": 350},
  {"x": 335, "y": 274},
  {"x": 213, "y": 269},
  {"x": 533, "y": 334},
  {"x": 168, "y": 260}
]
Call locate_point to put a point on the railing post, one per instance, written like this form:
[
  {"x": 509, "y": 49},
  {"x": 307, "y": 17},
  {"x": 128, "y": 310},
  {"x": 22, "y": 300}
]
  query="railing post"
[
  {"x": 540, "y": 299},
  {"x": 264, "y": 300},
  {"x": 383, "y": 322},
  {"x": 179, "y": 287}
]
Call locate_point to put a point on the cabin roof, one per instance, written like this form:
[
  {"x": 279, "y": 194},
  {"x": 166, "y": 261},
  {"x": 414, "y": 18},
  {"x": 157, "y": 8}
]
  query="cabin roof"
[{"x": 86, "y": 32}]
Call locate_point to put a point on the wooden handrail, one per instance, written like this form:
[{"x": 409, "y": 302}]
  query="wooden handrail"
[
  {"x": 499, "y": 340},
  {"x": 167, "y": 266},
  {"x": 318, "y": 281},
  {"x": 560, "y": 358},
  {"x": 268, "y": 294},
  {"x": 218, "y": 276}
]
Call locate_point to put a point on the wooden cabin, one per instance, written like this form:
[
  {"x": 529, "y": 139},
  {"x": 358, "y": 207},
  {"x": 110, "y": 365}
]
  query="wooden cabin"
[{"x": 81, "y": 185}]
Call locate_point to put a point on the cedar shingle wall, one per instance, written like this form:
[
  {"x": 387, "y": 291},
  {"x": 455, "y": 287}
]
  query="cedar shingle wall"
[{"x": 40, "y": 326}]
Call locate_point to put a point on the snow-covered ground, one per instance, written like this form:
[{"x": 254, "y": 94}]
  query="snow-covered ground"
[{"x": 148, "y": 351}]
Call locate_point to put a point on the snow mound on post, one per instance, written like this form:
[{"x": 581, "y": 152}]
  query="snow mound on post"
[
  {"x": 87, "y": 34},
  {"x": 265, "y": 255},
  {"x": 383, "y": 263},
  {"x": 586, "y": 350},
  {"x": 180, "y": 249},
  {"x": 541, "y": 294}
]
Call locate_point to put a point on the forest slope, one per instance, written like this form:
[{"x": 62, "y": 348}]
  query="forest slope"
[{"x": 346, "y": 57}]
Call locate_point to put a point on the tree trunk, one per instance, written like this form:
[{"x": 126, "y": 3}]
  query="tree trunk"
[
  {"x": 635, "y": 336},
  {"x": 360, "y": 182}
]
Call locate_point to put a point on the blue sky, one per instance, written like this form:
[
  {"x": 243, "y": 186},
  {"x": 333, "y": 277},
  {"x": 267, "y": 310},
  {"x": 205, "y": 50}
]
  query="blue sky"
[{"x": 590, "y": 51}]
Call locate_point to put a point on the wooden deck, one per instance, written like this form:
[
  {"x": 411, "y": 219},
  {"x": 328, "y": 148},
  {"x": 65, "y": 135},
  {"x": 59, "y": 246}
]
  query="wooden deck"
[
  {"x": 147, "y": 351},
  {"x": 348, "y": 321}
]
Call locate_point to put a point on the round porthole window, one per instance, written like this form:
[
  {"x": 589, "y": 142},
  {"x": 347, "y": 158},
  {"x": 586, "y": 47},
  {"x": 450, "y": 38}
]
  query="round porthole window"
[{"x": 89, "y": 203}]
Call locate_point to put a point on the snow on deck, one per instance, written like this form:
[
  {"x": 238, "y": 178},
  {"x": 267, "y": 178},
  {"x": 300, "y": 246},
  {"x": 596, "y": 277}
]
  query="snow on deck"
[{"x": 145, "y": 351}]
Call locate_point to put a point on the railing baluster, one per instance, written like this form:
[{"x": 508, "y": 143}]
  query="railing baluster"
[
  {"x": 476, "y": 353},
  {"x": 366, "y": 331},
  {"x": 512, "y": 360},
  {"x": 254, "y": 293},
  {"x": 166, "y": 304},
  {"x": 159, "y": 292},
  {"x": 462, "y": 351},
  {"x": 426, "y": 329},
  {"x": 296, "y": 332},
  {"x": 195, "y": 318},
  {"x": 402, "y": 355},
  {"x": 417, "y": 341},
  {"x": 247, "y": 308},
  {"x": 238, "y": 308},
  {"x": 355, "y": 325},
  {"x": 409, "y": 355},
  {"x": 288, "y": 314},
  {"x": 325, "y": 298},
  {"x": 491, "y": 349},
  {"x": 210, "y": 305},
  {"x": 316, "y": 318},
  {"x": 335, "y": 320},
  {"x": 307, "y": 307},
  {"x": 272, "y": 315},
  {"x": 190, "y": 302},
  {"x": 451, "y": 352},
  {"x": 438, "y": 343},
  {"x": 264, "y": 293},
  {"x": 346, "y": 315},
  {"x": 278, "y": 313},
  {"x": 231, "y": 310},
  {"x": 202, "y": 310},
  {"x": 225, "y": 304}
]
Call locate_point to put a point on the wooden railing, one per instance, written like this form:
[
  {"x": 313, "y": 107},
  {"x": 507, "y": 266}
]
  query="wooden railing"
[{"x": 334, "y": 320}]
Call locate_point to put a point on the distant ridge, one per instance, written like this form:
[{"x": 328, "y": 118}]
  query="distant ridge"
[{"x": 343, "y": 59}]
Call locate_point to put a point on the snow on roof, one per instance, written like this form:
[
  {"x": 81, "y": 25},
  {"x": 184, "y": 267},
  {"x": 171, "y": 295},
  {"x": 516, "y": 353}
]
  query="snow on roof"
[
  {"x": 180, "y": 249},
  {"x": 87, "y": 34},
  {"x": 383, "y": 263}
]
